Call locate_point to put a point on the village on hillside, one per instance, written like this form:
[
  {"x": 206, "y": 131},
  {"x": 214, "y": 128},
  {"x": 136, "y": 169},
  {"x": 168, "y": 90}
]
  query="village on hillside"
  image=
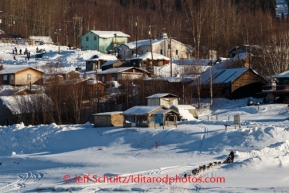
[
  {"x": 144, "y": 96},
  {"x": 43, "y": 81}
]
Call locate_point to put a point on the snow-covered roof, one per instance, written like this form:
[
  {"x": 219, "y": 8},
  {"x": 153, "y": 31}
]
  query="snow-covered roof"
[
  {"x": 26, "y": 103},
  {"x": 282, "y": 75},
  {"x": 109, "y": 63},
  {"x": 13, "y": 70},
  {"x": 102, "y": 56},
  {"x": 222, "y": 75},
  {"x": 117, "y": 70},
  {"x": 109, "y": 34},
  {"x": 141, "y": 110},
  {"x": 162, "y": 112},
  {"x": 174, "y": 79},
  {"x": 201, "y": 62},
  {"x": 140, "y": 43},
  {"x": 161, "y": 95},
  {"x": 184, "y": 111},
  {"x": 41, "y": 38},
  {"x": 148, "y": 55},
  {"x": 183, "y": 107},
  {"x": 108, "y": 113},
  {"x": 10, "y": 91},
  {"x": 240, "y": 56},
  {"x": 91, "y": 82}
]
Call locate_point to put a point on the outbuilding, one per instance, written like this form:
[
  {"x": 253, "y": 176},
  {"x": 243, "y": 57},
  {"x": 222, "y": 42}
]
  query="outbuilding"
[
  {"x": 108, "y": 119},
  {"x": 140, "y": 116},
  {"x": 165, "y": 99},
  {"x": 187, "y": 112}
]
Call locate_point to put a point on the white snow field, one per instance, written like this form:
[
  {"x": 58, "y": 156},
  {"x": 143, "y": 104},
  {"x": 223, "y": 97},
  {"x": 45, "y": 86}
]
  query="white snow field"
[{"x": 39, "y": 158}]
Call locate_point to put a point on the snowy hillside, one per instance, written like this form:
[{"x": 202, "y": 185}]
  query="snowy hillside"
[
  {"x": 40, "y": 158},
  {"x": 282, "y": 7}
]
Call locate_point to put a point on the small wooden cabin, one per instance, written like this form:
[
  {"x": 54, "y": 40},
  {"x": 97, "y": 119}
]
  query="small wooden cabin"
[
  {"x": 108, "y": 119},
  {"x": 122, "y": 73},
  {"x": 18, "y": 76},
  {"x": 230, "y": 83},
  {"x": 141, "y": 116},
  {"x": 165, "y": 99}
]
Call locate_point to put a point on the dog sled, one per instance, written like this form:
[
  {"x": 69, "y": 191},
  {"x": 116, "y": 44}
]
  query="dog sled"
[{"x": 203, "y": 168}]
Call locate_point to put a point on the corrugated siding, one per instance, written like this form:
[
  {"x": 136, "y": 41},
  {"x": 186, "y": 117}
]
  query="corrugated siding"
[{"x": 153, "y": 102}]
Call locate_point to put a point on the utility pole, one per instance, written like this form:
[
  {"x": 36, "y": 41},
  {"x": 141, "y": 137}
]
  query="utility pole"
[
  {"x": 165, "y": 53},
  {"x": 75, "y": 20},
  {"x": 171, "y": 55},
  {"x": 171, "y": 65},
  {"x": 12, "y": 23},
  {"x": 151, "y": 45},
  {"x": 57, "y": 34},
  {"x": 0, "y": 21},
  {"x": 66, "y": 32},
  {"x": 136, "y": 37}
]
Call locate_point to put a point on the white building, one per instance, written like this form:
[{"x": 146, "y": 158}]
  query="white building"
[{"x": 164, "y": 46}]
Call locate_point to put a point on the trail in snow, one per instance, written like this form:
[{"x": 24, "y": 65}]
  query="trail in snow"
[{"x": 203, "y": 137}]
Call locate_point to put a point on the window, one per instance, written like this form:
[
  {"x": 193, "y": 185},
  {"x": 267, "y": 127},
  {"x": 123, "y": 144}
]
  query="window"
[
  {"x": 102, "y": 78},
  {"x": 141, "y": 51},
  {"x": 5, "y": 77},
  {"x": 28, "y": 76},
  {"x": 124, "y": 53},
  {"x": 132, "y": 52},
  {"x": 177, "y": 52},
  {"x": 161, "y": 52},
  {"x": 94, "y": 38},
  {"x": 12, "y": 77},
  {"x": 87, "y": 39}
]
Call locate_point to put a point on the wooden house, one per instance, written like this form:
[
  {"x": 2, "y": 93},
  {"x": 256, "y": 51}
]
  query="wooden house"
[
  {"x": 108, "y": 119},
  {"x": 278, "y": 89},
  {"x": 62, "y": 75},
  {"x": 236, "y": 50},
  {"x": 164, "y": 99},
  {"x": 163, "y": 45},
  {"x": 17, "y": 76},
  {"x": 102, "y": 41},
  {"x": 145, "y": 60},
  {"x": 230, "y": 83},
  {"x": 97, "y": 60},
  {"x": 40, "y": 40},
  {"x": 120, "y": 74},
  {"x": 111, "y": 64},
  {"x": 20, "y": 108},
  {"x": 94, "y": 86},
  {"x": 140, "y": 116}
]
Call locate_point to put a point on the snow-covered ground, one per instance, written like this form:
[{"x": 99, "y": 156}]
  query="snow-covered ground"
[{"x": 37, "y": 158}]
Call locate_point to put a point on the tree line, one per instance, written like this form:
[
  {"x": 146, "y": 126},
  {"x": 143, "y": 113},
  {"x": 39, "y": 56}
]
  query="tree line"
[{"x": 204, "y": 24}]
